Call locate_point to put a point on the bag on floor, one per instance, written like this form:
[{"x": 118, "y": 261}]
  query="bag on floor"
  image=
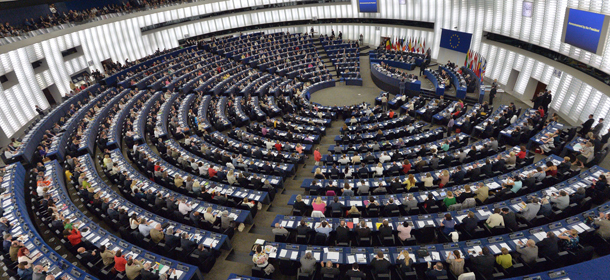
[{"x": 269, "y": 269}]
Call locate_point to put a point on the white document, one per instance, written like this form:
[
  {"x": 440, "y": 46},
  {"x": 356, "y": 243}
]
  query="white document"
[
  {"x": 294, "y": 255},
  {"x": 283, "y": 253},
  {"x": 333, "y": 256},
  {"x": 351, "y": 259}
]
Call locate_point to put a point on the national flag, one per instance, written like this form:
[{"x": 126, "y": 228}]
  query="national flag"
[
  {"x": 424, "y": 43},
  {"x": 484, "y": 66},
  {"x": 420, "y": 45},
  {"x": 466, "y": 58},
  {"x": 387, "y": 44},
  {"x": 396, "y": 44},
  {"x": 409, "y": 45}
]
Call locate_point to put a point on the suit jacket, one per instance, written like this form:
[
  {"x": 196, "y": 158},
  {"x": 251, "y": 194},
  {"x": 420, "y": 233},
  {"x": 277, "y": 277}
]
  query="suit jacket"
[
  {"x": 433, "y": 274},
  {"x": 342, "y": 234},
  {"x": 171, "y": 241},
  {"x": 330, "y": 271},
  {"x": 510, "y": 220},
  {"x": 363, "y": 232},
  {"x": 187, "y": 245},
  {"x": 389, "y": 208},
  {"x": 380, "y": 266},
  {"x": 149, "y": 275},
  {"x": 528, "y": 254},
  {"x": 355, "y": 273},
  {"x": 484, "y": 264},
  {"x": 548, "y": 247}
]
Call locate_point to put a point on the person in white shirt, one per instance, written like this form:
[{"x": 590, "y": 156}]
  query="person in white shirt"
[
  {"x": 385, "y": 157},
  {"x": 344, "y": 160},
  {"x": 184, "y": 207},
  {"x": 379, "y": 170}
]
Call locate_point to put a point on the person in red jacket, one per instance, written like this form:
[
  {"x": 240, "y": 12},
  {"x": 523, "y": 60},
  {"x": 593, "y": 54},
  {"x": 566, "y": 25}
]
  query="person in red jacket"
[
  {"x": 73, "y": 236},
  {"x": 317, "y": 156},
  {"x": 211, "y": 172},
  {"x": 522, "y": 153},
  {"x": 119, "y": 261},
  {"x": 278, "y": 146}
]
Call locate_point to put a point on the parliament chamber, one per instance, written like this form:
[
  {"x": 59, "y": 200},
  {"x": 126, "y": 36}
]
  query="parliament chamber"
[{"x": 300, "y": 139}]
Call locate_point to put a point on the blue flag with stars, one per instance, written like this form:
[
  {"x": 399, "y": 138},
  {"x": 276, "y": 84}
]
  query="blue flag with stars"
[{"x": 455, "y": 40}]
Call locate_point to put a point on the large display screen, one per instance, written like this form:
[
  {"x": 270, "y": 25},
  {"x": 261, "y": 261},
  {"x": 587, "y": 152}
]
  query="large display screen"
[
  {"x": 368, "y": 6},
  {"x": 585, "y": 30}
]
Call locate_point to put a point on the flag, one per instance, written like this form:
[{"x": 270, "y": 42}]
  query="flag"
[
  {"x": 466, "y": 58},
  {"x": 420, "y": 45},
  {"x": 387, "y": 44},
  {"x": 409, "y": 46},
  {"x": 396, "y": 44},
  {"x": 424, "y": 43},
  {"x": 483, "y": 69}
]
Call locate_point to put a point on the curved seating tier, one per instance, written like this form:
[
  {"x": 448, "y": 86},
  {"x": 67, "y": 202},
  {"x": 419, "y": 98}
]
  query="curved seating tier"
[
  {"x": 402, "y": 136},
  {"x": 246, "y": 148},
  {"x": 115, "y": 201},
  {"x": 528, "y": 160},
  {"x": 59, "y": 145},
  {"x": 400, "y": 153},
  {"x": 99, "y": 236},
  {"x": 34, "y": 134},
  {"x": 22, "y": 228}
]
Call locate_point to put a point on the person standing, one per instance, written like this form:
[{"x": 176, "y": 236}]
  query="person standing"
[
  {"x": 492, "y": 92},
  {"x": 450, "y": 125}
]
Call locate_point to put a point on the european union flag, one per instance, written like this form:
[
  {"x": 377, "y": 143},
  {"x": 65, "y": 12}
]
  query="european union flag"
[{"x": 455, "y": 40}]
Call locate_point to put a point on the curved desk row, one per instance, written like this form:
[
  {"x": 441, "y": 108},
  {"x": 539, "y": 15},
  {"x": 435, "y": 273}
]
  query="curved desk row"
[
  {"x": 32, "y": 139},
  {"x": 16, "y": 212},
  {"x": 316, "y": 87},
  {"x": 479, "y": 90},
  {"x": 116, "y": 128},
  {"x": 393, "y": 83},
  {"x": 394, "y": 63},
  {"x": 100, "y": 236},
  {"x": 87, "y": 143},
  {"x": 460, "y": 91},
  {"x": 209, "y": 239},
  {"x": 112, "y": 79}
]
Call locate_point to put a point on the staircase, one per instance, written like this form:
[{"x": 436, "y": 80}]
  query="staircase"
[{"x": 325, "y": 59}]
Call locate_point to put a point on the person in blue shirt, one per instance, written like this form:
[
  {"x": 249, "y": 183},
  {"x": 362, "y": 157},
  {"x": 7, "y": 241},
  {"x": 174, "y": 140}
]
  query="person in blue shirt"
[
  {"x": 324, "y": 227},
  {"x": 448, "y": 224}
]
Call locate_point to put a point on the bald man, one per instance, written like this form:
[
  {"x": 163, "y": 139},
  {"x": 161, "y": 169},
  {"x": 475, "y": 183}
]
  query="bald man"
[
  {"x": 280, "y": 230},
  {"x": 329, "y": 269},
  {"x": 40, "y": 272}
]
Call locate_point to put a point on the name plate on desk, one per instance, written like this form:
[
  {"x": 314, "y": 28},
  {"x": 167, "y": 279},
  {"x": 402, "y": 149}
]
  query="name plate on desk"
[
  {"x": 450, "y": 246},
  {"x": 555, "y": 225},
  {"x": 123, "y": 244},
  {"x": 495, "y": 239},
  {"x": 532, "y": 278},
  {"x": 572, "y": 220},
  {"x": 515, "y": 235},
  {"x": 556, "y": 274},
  {"x": 473, "y": 243}
]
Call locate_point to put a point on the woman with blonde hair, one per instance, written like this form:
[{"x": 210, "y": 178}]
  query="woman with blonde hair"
[
  {"x": 504, "y": 259},
  {"x": 319, "y": 205},
  {"x": 299, "y": 204},
  {"x": 407, "y": 263},
  {"x": 318, "y": 174},
  {"x": 379, "y": 170},
  {"x": 353, "y": 211},
  {"x": 409, "y": 182}
]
